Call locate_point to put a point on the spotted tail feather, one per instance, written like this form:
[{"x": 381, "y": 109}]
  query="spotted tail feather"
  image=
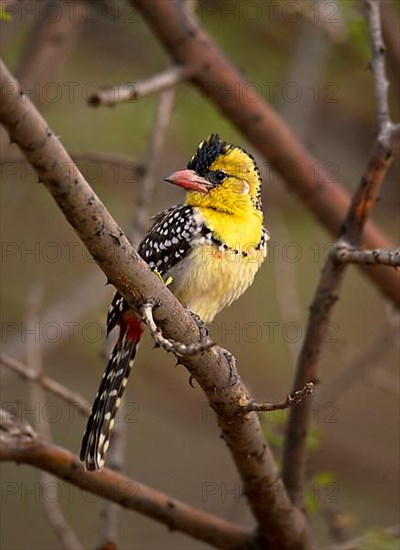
[{"x": 96, "y": 438}]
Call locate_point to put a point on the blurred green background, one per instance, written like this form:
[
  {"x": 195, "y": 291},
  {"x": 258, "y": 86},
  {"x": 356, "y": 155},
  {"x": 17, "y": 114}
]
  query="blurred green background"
[{"x": 173, "y": 442}]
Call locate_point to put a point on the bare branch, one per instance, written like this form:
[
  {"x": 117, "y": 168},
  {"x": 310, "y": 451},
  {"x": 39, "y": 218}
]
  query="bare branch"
[
  {"x": 47, "y": 383},
  {"x": 345, "y": 254},
  {"x": 327, "y": 293},
  {"x": 289, "y": 401},
  {"x": 19, "y": 443},
  {"x": 279, "y": 521},
  {"x": 381, "y": 84},
  {"x": 163, "y": 113},
  {"x": 190, "y": 46},
  {"x": 137, "y": 90}
]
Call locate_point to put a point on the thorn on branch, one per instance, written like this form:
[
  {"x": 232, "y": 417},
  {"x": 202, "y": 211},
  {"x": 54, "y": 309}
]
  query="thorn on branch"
[
  {"x": 178, "y": 348},
  {"x": 289, "y": 401}
]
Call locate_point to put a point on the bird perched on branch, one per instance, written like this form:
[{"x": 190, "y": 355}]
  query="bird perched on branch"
[{"x": 210, "y": 248}]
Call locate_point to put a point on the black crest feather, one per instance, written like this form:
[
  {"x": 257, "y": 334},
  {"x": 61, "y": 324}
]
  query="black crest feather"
[{"x": 206, "y": 154}]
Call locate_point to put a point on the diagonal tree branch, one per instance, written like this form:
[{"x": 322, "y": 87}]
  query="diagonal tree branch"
[
  {"x": 19, "y": 443},
  {"x": 136, "y": 90},
  {"x": 327, "y": 292},
  {"x": 47, "y": 383},
  {"x": 216, "y": 78},
  {"x": 279, "y": 522}
]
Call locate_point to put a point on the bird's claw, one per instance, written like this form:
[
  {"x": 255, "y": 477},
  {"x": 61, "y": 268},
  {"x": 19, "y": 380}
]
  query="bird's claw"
[
  {"x": 203, "y": 330},
  {"x": 233, "y": 372}
]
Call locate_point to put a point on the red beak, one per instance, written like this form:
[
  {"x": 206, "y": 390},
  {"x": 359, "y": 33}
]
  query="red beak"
[{"x": 188, "y": 179}]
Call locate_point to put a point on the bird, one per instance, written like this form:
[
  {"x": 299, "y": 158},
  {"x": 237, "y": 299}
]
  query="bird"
[{"x": 209, "y": 249}]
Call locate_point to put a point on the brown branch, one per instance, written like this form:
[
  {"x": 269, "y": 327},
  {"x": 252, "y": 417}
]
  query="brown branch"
[
  {"x": 344, "y": 254},
  {"x": 52, "y": 509},
  {"x": 19, "y": 443},
  {"x": 289, "y": 401},
  {"x": 137, "y": 90},
  {"x": 279, "y": 522},
  {"x": 47, "y": 383},
  {"x": 190, "y": 46},
  {"x": 327, "y": 292}
]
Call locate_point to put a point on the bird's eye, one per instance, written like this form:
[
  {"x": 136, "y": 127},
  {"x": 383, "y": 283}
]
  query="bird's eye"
[{"x": 219, "y": 176}]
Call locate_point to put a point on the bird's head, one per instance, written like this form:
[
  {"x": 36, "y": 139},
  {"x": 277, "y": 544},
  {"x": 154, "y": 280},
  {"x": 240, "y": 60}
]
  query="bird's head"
[{"x": 222, "y": 177}]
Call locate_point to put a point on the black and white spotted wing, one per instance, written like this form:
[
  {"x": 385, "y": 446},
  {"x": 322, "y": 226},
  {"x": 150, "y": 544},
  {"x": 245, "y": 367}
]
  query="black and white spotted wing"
[
  {"x": 168, "y": 241},
  {"x": 170, "y": 238}
]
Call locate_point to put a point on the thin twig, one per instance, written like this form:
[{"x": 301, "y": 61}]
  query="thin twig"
[
  {"x": 47, "y": 383},
  {"x": 137, "y": 90},
  {"x": 52, "y": 508},
  {"x": 21, "y": 444},
  {"x": 289, "y": 401},
  {"x": 145, "y": 193},
  {"x": 327, "y": 292},
  {"x": 345, "y": 254},
  {"x": 381, "y": 84},
  {"x": 178, "y": 348}
]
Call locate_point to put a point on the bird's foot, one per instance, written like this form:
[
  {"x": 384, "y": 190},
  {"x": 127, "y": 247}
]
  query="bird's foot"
[
  {"x": 203, "y": 330},
  {"x": 233, "y": 372}
]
